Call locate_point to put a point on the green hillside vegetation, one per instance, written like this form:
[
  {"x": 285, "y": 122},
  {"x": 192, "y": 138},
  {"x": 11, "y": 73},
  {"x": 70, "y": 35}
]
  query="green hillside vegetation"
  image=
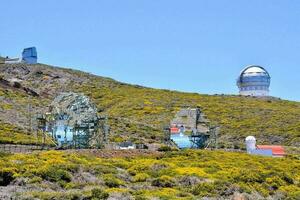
[
  {"x": 138, "y": 113},
  {"x": 11, "y": 133},
  {"x": 173, "y": 175},
  {"x": 270, "y": 120}
]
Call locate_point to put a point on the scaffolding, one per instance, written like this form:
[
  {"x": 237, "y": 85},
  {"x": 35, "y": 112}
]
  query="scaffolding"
[
  {"x": 199, "y": 140},
  {"x": 72, "y": 122},
  {"x": 41, "y": 132},
  {"x": 204, "y": 140},
  {"x": 200, "y": 133}
]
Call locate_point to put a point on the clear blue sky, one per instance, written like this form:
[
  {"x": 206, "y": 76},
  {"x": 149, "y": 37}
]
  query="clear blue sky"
[{"x": 191, "y": 45}]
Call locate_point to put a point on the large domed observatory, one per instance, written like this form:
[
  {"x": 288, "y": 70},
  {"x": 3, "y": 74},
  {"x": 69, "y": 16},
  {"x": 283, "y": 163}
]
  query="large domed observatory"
[{"x": 254, "y": 80}]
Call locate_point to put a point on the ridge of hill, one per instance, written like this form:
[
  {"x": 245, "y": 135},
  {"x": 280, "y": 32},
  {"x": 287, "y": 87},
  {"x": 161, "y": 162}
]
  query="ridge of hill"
[{"x": 139, "y": 113}]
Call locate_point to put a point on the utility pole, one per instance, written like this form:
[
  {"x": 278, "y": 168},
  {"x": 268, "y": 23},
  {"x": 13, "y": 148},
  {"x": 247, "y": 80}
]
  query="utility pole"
[
  {"x": 216, "y": 130},
  {"x": 29, "y": 111},
  {"x": 167, "y": 135}
]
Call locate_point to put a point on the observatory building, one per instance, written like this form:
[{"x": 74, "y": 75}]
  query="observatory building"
[
  {"x": 29, "y": 55},
  {"x": 254, "y": 80},
  {"x": 263, "y": 150},
  {"x": 190, "y": 129}
]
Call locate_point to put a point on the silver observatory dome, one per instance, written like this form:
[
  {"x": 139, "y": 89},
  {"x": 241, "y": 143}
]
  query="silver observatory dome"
[{"x": 254, "y": 80}]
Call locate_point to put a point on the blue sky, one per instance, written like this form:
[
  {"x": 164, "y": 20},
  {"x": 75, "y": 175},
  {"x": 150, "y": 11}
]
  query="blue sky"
[{"x": 192, "y": 45}]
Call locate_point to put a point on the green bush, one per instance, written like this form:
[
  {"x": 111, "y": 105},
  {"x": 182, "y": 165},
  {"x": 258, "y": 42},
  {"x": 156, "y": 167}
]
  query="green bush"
[
  {"x": 55, "y": 174},
  {"x": 112, "y": 181},
  {"x": 164, "y": 148},
  {"x": 204, "y": 189},
  {"x": 98, "y": 193},
  {"x": 55, "y": 196},
  {"x": 164, "y": 181},
  {"x": 140, "y": 197},
  {"x": 36, "y": 179},
  {"x": 141, "y": 177},
  {"x": 105, "y": 169}
]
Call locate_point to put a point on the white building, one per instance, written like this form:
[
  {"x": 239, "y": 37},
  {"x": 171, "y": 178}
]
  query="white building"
[
  {"x": 250, "y": 144},
  {"x": 126, "y": 145},
  {"x": 263, "y": 150},
  {"x": 254, "y": 80}
]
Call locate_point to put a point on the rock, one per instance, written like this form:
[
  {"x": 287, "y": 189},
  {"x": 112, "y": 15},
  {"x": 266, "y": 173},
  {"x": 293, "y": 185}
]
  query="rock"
[
  {"x": 190, "y": 180},
  {"x": 19, "y": 181},
  {"x": 239, "y": 196},
  {"x": 118, "y": 196},
  {"x": 157, "y": 167},
  {"x": 17, "y": 85},
  {"x": 30, "y": 92}
]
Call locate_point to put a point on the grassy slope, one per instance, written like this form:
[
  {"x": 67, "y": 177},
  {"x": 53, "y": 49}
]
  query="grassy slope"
[
  {"x": 139, "y": 113},
  {"x": 176, "y": 175},
  {"x": 10, "y": 131},
  {"x": 271, "y": 121}
]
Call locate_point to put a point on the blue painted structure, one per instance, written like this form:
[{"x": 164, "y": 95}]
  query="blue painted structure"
[
  {"x": 262, "y": 152},
  {"x": 29, "y": 55},
  {"x": 181, "y": 140}
]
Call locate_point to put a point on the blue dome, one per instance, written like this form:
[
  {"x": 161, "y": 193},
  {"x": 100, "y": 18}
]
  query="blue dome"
[{"x": 254, "y": 80}]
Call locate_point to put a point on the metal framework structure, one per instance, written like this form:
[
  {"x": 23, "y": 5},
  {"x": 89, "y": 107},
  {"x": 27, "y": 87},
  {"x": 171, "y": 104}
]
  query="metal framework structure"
[
  {"x": 41, "y": 131},
  {"x": 204, "y": 140},
  {"x": 202, "y": 135},
  {"x": 73, "y": 122},
  {"x": 199, "y": 140}
]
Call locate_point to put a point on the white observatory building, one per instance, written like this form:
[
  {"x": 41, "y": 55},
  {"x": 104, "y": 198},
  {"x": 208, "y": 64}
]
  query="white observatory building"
[
  {"x": 250, "y": 144},
  {"x": 254, "y": 80}
]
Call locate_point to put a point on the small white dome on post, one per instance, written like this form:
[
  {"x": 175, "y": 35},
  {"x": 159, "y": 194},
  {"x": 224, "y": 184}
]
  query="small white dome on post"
[{"x": 250, "y": 143}]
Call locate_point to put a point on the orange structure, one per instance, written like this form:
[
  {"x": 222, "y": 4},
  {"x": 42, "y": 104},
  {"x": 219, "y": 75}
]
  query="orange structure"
[
  {"x": 277, "y": 151},
  {"x": 174, "y": 130}
]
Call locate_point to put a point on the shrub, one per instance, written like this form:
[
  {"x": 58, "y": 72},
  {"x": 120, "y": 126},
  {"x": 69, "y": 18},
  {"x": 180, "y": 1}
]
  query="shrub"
[
  {"x": 98, "y": 193},
  {"x": 55, "y": 174},
  {"x": 140, "y": 197},
  {"x": 204, "y": 189},
  {"x": 141, "y": 177},
  {"x": 275, "y": 182},
  {"x": 105, "y": 169},
  {"x": 55, "y": 196},
  {"x": 112, "y": 181},
  {"x": 36, "y": 179},
  {"x": 3, "y": 154},
  {"x": 224, "y": 173},
  {"x": 164, "y": 181},
  {"x": 6, "y": 177},
  {"x": 249, "y": 176},
  {"x": 164, "y": 148}
]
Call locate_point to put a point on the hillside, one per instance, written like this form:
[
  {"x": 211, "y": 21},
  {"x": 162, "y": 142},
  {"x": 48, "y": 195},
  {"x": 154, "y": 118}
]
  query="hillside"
[
  {"x": 185, "y": 175},
  {"x": 136, "y": 112}
]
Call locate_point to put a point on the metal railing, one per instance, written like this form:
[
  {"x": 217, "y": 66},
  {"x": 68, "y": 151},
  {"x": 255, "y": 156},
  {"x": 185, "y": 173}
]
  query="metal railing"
[{"x": 18, "y": 148}]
